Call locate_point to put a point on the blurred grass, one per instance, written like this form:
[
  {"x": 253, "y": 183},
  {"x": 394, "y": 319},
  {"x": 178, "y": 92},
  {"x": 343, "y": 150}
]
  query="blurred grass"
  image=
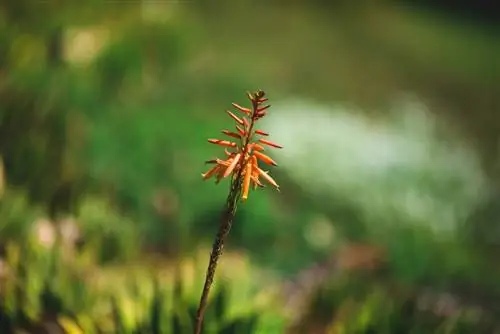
[{"x": 45, "y": 286}]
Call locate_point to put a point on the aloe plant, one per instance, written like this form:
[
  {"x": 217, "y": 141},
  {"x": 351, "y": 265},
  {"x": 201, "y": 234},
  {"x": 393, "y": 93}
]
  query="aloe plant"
[{"x": 44, "y": 291}]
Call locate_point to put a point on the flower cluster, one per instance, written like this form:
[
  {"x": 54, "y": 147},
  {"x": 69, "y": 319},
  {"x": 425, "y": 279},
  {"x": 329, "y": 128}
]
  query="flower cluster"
[{"x": 243, "y": 151}]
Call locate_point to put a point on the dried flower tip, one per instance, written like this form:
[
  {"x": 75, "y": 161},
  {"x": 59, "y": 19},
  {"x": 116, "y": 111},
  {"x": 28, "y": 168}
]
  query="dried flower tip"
[
  {"x": 261, "y": 109},
  {"x": 250, "y": 96},
  {"x": 222, "y": 142},
  {"x": 210, "y": 172},
  {"x": 233, "y": 164},
  {"x": 268, "y": 178},
  {"x": 263, "y": 100},
  {"x": 236, "y": 118},
  {"x": 242, "y": 109},
  {"x": 265, "y": 158},
  {"x": 269, "y": 143},
  {"x": 259, "y": 94},
  {"x": 241, "y": 131},
  {"x": 262, "y": 133},
  {"x": 261, "y": 114},
  {"x": 231, "y": 134},
  {"x": 246, "y": 181},
  {"x": 227, "y": 152},
  {"x": 213, "y": 161}
]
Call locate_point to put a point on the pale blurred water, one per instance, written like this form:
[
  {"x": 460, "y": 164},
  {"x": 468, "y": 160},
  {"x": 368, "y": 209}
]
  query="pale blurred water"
[{"x": 409, "y": 165}]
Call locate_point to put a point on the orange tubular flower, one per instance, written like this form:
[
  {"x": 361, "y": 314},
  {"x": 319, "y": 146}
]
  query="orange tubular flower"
[{"x": 243, "y": 154}]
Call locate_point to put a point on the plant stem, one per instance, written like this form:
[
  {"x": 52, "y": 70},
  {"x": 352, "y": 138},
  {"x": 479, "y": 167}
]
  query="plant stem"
[
  {"x": 226, "y": 222},
  {"x": 218, "y": 246}
]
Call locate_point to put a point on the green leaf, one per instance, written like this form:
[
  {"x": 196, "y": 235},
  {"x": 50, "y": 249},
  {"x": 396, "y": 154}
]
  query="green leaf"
[
  {"x": 177, "y": 291},
  {"x": 251, "y": 323},
  {"x": 156, "y": 309},
  {"x": 234, "y": 327},
  {"x": 220, "y": 305},
  {"x": 177, "y": 326},
  {"x": 117, "y": 316}
]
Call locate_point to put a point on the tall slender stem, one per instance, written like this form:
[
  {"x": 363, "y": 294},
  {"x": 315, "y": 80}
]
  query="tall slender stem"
[
  {"x": 217, "y": 248},
  {"x": 224, "y": 228},
  {"x": 238, "y": 185}
]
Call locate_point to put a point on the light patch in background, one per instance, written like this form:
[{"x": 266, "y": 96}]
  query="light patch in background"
[
  {"x": 319, "y": 233},
  {"x": 403, "y": 167},
  {"x": 82, "y": 45}
]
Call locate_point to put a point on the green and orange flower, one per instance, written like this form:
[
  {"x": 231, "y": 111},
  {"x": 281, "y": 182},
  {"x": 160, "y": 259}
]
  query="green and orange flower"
[{"x": 245, "y": 148}]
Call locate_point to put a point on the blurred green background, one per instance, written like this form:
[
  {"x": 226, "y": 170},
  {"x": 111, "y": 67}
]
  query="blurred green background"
[{"x": 387, "y": 221}]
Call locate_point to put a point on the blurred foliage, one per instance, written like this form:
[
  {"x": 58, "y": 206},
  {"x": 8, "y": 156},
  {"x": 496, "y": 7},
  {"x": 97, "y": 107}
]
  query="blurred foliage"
[
  {"x": 104, "y": 114},
  {"x": 43, "y": 288},
  {"x": 355, "y": 306}
]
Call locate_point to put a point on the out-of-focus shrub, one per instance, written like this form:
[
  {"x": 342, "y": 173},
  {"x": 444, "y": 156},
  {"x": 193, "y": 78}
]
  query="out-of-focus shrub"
[{"x": 44, "y": 288}]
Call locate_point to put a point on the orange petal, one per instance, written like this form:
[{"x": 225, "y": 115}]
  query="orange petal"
[
  {"x": 225, "y": 163},
  {"x": 246, "y": 181},
  {"x": 222, "y": 142},
  {"x": 268, "y": 178},
  {"x": 245, "y": 122},
  {"x": 233, "y": 164},
  {"x": 231, "y": 134},
  {"x": 236, "y": 118},
  {"x": 262, "y": 100},
  {"x": 265, "y": 158},
  {"x": 262, "y": 133},
  {"x": 242, "y": 109},
  {"x": 210, "y": 172},
  {"x": 257, "y": 147},
  {"x": 220, "y": 174},
  {"x": 254, "y": 161},
  {"x": 270, "y": 143},
  {"x": 255, "y": 173},
  {"x": 241, "y": 131}
]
